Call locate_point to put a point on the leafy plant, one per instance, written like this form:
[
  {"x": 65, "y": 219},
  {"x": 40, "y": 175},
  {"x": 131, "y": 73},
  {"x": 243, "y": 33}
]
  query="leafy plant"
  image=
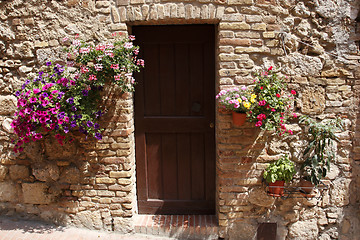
[
  {"x": 273, "y": 102},
  {"x": 237, "y": 100},
  {"x": 282, "y": 169},
  {"x": 318, "y": 153}
]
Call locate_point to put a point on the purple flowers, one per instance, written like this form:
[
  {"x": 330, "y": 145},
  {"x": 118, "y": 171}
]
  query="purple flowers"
[{"x": 58, "y": 100}]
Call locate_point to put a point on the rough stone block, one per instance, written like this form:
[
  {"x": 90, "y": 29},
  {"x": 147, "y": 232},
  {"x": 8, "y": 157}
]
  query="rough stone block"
[
  {"x": 8, "y": 192},
  {"x": 16, "y": 21},
  {"x": 115, "y": 15},
  {"x": 304, "y": 230},
  {"x": 18, "y": 172},
  {"x": 36, "y": 193},
  {"x": 3, "y": 172},
  {"x": 7, "y": 105},
  {"x": 70, "y": 175},
  {"x": 102, "y": 4},
  {"x": 72, "y": 3},
  {"x": 46, "y": 172}
]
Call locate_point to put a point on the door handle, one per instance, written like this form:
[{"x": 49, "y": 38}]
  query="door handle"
[{"x": 211, "y": 125}]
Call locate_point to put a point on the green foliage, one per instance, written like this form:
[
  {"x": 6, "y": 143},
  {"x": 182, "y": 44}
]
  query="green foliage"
[
  {"x": 318, "y": 153},
  {"x": 281, "y": 170}
]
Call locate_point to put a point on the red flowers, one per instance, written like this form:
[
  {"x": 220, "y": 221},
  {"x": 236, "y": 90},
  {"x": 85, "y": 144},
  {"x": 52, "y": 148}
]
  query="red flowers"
[
  {"x": 277, "y": 95},
  {"x": 293, "y": 92}
]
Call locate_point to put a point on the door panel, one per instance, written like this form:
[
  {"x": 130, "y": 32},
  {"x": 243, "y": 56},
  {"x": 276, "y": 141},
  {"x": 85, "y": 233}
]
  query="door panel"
[{"x": 174, "y": 106}]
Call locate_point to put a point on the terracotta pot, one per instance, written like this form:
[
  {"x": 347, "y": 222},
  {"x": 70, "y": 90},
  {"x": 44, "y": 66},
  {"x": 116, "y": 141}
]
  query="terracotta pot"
[
  {"x": 276, "y": 189},
  {"x": 239, "y": 119},
  {"x": 306, "y": 187}
]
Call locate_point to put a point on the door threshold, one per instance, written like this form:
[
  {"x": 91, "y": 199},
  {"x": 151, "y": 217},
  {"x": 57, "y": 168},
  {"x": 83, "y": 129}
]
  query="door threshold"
[{"x": 178, "y": 226}]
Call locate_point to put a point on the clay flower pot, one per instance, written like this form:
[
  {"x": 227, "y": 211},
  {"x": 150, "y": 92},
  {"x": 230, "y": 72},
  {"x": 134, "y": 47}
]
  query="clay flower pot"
[
  {"x": 307, "y": 188},
  {"x": 276, "y": 188},
  {"x": 239, "y": 119}
]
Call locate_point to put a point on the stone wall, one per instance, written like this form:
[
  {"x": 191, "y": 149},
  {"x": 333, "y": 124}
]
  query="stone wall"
[{"x": 92, "y": 184}]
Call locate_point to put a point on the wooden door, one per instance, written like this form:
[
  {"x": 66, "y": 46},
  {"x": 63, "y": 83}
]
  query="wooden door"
[{"x": 174, "y": 119}]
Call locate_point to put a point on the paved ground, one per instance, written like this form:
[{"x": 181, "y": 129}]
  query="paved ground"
[{"x": 15, "y": 229}]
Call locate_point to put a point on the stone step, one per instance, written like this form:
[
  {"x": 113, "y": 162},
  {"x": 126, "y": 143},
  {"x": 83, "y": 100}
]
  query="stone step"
[{"x": 178, "y": 226}]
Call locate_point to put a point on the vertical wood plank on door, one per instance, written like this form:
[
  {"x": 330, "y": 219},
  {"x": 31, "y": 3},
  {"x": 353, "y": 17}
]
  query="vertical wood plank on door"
[
  {"x": 182, "y": 80},
  {"x": 169, "y": 170},
  {"x": 167, "y": 79},
  {"x": 152, "y": 101},
  {"x": 184, "y": 166},
  {"x": 196, "y": 77},
  {"x": 154, "y": 166},
  {"x": 197, "y": 166}
]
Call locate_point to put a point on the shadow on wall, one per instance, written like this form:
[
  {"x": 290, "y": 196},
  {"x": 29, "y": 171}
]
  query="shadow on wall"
[{"x": 47, "y": 179}]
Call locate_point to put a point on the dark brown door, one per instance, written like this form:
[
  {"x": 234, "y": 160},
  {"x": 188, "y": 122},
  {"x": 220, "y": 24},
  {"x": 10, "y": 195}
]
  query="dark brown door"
[{"x": 174, "y": 117}]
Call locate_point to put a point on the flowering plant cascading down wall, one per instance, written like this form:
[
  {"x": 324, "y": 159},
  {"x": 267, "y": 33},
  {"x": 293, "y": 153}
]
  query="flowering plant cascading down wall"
[
  {"x": 274, "y": 102},
  {"x": 61, "y": 99}
]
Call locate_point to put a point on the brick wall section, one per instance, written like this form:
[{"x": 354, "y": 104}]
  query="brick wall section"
[{"x": 93, "y": 184}]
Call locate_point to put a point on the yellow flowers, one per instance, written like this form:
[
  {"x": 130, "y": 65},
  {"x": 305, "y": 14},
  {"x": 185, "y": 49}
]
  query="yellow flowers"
[
  {"x": 247, "y": 105},
  {"x": 252, "y": 99},
  {"x": 239, "y": 100}
]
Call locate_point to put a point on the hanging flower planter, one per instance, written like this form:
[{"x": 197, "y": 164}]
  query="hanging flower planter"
[{"x": 239, "y": 119}]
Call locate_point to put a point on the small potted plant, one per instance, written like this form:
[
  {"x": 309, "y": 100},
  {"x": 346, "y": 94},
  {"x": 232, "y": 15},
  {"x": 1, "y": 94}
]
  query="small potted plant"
[
  {"x": 277, "y": 173},
  {"x": 238, "y": 101},
  {"x": 318, "y": 153}
]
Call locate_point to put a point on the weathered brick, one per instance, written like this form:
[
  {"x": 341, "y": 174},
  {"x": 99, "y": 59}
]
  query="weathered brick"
[
  {"x": 253, "y": 18},
  {"x": 120, "y": 174},
  {"x": 251, "y": 50},
  {"x": 235, "y": 41},
  {"x": 122, "y": 2},
  {"x": 29, "y": 21},
  {"x": 235, "y": 26},
  {"x": 240, "y": 2},
  {"x": 256, "y": 42},
  {"x": 259, "y": 27},
  {"x": 113, "y": 160},
  {"x": 102, "y": 4},
  {"x": 273, "y": 27},
  {"x": 105, "y": 180},
  {"x": 105, "y": 193}
]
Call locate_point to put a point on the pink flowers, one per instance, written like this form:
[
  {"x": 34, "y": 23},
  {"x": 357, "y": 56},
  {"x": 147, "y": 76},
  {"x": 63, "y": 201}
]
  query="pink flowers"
[
  {"x": 258, "y": 124},
  {"x": 261, "y": 117},
  {"x": 293, "y": 92},
  {"x": 114, "y": 66},
  {"x": 84, "y": 69},
  {"x": 98, "y": 67},
  {"x": 117, "y": 77},
  {"x": 92, "y": 78},
  {"x": 36, "y": 90},
  {"x": 262, "y": 103},
  {"x": 128, "y": 45}
]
